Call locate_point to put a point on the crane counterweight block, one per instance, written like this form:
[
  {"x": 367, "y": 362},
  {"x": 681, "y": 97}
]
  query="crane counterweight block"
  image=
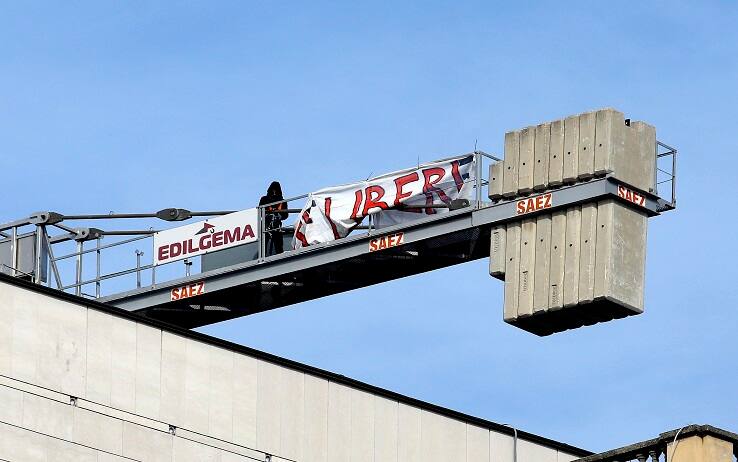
[{"x": 585, "y": 264}]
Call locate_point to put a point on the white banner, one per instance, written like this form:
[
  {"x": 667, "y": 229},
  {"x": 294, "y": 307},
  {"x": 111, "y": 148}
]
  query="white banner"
[
  {"x": 206, "y": 236},
  {"x": 397, "y": 197}
]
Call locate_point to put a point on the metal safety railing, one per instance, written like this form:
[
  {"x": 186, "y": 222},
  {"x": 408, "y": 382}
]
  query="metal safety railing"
[
  {"x": 46, "y": 249},
  {"x": 666, "y": 165},
  {"x": 481, "y": 159},
  {"x": 51, "y": 250}
]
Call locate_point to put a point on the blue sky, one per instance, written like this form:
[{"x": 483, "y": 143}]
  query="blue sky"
[{"x": 134, "y": 106}]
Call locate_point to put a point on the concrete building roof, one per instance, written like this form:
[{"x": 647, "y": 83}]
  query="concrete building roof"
[{"x": 338, "y": 378}]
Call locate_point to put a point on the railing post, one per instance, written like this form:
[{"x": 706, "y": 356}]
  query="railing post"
[
  {"x": 261, "y": 232},
  {"x": 673, "y": 177},
  {"x": 14, "y": 252},
  {"x": 52, "y": 263},
  {"x": 37, "y": 260},
  {"x": 97, "y": 269},
  {"x": 78, "y": 272},
  {"x": 138, "y": 267},
  {"x": 478, "y": 179},
  {"x": 153, "y": 262}
]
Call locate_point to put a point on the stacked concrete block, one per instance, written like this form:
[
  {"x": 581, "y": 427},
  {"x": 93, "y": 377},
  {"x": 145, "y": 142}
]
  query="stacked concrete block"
[
  {"x": 541, "y": 282},
  {"x": 527, "y": 160},
  {"x": 556, "y": 154},
  {"x": 558, "y": 261},
  {"x": 512, "y": 270},
  {"x": 509, "y": 177},
  {"x": 571, "y": 149},
  {"x": 620, "y": 268},
  {"x": 542, "y": 156},
  {"x": 584, "y": 264},
  {"x": 497, "y": 252},
  {"x": 573, "y": 267},
  {"x": 577, "y": 148}
]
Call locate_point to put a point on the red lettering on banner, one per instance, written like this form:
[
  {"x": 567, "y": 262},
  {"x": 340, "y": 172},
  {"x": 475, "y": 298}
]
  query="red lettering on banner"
[
  {"x": 357, "y": 203},
  {"x": 457, "y": 176},
  {"x": 231, "y": 235},
  {"x": 328, "y": 203},
  {"x": 533, "y": 204},
  {"x": 429, "y": 187},
  {"x": 201, "y": 237},
  {"x": 206, "y": 241},
  {"x": 402, "y": 181},
  {"x": 304, "y": 220},
  {"x": 373, "y": 194}
]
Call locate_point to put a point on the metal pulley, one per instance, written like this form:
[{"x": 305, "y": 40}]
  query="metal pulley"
[
  {"x": 172, "y": 214},
  {"x": 87, "y": 234}
]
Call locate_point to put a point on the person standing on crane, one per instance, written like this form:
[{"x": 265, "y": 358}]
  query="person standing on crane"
[{"x": 273, "y": 216}]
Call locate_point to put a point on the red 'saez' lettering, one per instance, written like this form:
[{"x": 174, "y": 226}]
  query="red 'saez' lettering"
[{"x": 520, "y": 207}]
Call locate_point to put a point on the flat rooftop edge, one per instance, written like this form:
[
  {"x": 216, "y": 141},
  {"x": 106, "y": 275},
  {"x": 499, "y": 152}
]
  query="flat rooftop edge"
[{"x": 291, "y": 364}]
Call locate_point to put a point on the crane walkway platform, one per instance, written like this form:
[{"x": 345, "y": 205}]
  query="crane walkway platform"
[{"x": 357, "y": 261}]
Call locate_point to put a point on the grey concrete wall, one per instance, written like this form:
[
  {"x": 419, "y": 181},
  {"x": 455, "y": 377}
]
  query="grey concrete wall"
[{"x": 132, "y": 382}]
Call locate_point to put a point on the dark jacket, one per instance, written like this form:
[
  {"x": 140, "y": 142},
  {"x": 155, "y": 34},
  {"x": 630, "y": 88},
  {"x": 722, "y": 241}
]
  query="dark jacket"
[{"x": 274, "y": 194}]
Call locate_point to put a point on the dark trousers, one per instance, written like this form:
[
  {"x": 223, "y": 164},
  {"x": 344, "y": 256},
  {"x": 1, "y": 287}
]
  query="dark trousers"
[{"x": 274, "y": 243}]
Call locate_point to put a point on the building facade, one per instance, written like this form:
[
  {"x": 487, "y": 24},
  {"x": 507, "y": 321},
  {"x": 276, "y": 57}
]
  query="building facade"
[{"x": 83, "y": 381}]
